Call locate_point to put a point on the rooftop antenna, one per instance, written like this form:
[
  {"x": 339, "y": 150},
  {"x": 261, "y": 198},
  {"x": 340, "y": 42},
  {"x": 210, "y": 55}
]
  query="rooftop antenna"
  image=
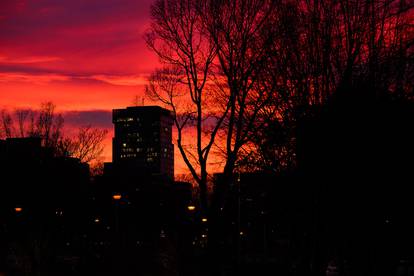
[{"x": 137, "y": 101}]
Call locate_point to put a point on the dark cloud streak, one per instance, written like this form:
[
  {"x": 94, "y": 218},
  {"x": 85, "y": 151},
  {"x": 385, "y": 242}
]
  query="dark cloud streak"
[{"x": 95, "y": 118}]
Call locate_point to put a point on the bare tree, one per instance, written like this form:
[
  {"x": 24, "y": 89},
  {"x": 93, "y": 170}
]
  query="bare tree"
[
  {"x": 266, "y": 62},
  {"x": 6, "y": 124},
  {"x": 244, "y": 34},
  {"x": 22, "y": 116},
  {"x": 217, "y": 50},
  {"x": 49, "y": 125},
  {"x": 326, "y": 48},
  {"x": 44, "y": 123},
  {"x": 178, "y": 37},
  {"x": 89, "y": 143}
]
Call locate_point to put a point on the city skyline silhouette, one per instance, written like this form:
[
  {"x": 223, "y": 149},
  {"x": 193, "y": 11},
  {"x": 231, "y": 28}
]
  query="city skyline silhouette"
[{"x": 216, "y": 137}]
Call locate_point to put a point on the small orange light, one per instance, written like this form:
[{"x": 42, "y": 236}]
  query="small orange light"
[
  {"x": 204, "y": 219},
  {"x": 117, "y": 196},
  {"x": 191, "y": 208},
  {"x": 18, "y": 209}
]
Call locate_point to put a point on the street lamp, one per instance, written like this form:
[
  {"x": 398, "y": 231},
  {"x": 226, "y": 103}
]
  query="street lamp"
[
  {"x": 18, "y": 209},
  {"x": 191, "y": 208},
  {"x": 117, "y": 196}
]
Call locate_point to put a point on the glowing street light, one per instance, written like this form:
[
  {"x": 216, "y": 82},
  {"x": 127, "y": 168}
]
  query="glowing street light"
[
  {"x": 97, "y": 220},
  {"x": 117, "y": 196},
  {"x": 18, "y": 209},
  {"x": 204, "y": 219},
  {"x": 191, "y": 208}
]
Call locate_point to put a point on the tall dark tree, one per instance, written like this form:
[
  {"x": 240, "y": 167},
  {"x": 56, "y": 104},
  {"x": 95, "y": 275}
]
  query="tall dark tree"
[
  {"x": 214, "y": 52},
  {"x": 265, "y": 63},
  {"x": 243, "y": 34},
  {"x": 178, "y": 37}
]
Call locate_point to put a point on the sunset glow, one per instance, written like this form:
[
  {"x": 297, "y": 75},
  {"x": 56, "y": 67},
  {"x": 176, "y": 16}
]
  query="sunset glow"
[{"x": 87, "y": 58}]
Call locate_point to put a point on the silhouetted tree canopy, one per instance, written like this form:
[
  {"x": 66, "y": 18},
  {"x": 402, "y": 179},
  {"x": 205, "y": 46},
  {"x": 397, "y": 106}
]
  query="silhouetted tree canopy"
[
  {"x": 45, "y": 123},
  {"x": 257, "y": 66}
]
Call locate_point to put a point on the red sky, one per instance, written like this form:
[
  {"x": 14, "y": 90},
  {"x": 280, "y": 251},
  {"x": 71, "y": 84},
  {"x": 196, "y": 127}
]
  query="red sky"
[{"x": 88, "y": 57}]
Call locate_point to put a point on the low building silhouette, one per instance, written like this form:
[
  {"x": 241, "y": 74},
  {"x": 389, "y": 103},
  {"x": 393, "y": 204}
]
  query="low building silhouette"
[{"x": 42, "y": 204}]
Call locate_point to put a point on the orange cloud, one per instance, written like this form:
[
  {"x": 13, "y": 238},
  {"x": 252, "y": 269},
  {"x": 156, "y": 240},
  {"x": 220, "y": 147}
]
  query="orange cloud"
[{"x": 30, "y": 78}]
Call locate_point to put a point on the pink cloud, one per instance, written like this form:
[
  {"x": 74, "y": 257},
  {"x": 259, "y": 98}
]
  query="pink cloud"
[
  {"x": 29, "y": 59},
  {"x": 88, "y": 57},
  {"x": 121, "y": 80}
]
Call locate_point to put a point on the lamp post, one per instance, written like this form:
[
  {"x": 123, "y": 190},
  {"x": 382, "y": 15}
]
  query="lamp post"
[
  {"x": 238, "y": 221},
  {"x": 117, "y": 197}
]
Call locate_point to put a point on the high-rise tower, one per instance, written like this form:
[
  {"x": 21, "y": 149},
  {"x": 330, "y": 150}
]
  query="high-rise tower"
[{"x": 142, "y": 140}]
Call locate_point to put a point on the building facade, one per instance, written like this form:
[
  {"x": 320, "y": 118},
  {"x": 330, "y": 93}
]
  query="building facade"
[{"x": 142, "y": 139}]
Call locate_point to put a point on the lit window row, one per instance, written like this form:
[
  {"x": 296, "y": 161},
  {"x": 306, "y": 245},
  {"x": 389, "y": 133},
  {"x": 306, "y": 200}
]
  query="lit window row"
[
  {"x": 129, "y": 119},
  {"x": 128, "y": 155},
  {"x": 132, "y": 150},
  {"x": 133, "y": 134}
]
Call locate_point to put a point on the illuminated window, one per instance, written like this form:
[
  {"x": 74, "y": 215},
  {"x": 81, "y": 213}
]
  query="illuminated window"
[{"x": 152, "y": 154}]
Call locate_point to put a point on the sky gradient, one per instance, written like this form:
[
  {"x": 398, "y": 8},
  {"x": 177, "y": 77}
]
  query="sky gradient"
[{"x": 87, "y": 57}]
